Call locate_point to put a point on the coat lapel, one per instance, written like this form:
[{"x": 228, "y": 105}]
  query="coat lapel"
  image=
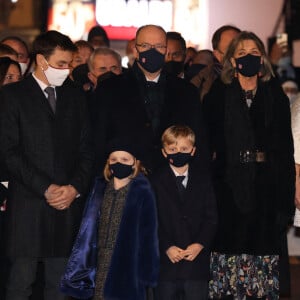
[{"x": 37, "y": 95}]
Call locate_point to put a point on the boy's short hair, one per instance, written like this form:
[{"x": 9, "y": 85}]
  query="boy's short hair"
[{"x": 172, "y": 133}]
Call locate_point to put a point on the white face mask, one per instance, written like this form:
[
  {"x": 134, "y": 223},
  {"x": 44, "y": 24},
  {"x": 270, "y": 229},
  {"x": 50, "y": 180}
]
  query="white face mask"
[
  {"x": 56, "y": 77},
  {"x": 23, "y": 67}
]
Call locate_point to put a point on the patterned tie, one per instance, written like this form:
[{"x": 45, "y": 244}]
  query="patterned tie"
[{"x": 51, "y": 97}]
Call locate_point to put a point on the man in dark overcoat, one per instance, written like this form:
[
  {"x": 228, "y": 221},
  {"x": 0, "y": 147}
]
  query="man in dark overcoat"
[
  {"x": 45, "y": 143},
  {"x": 144, "y": 101}
]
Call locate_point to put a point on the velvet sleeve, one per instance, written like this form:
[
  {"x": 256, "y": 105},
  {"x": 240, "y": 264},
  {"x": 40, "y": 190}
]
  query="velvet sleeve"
[
  {"x": 78, "y": 281},
  {"x": 148, "y": 240}
]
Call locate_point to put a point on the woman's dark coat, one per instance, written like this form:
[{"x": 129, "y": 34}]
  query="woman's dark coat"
[
  {"x": 135, "y": 259},
  {"x": 255, "y": 200}
]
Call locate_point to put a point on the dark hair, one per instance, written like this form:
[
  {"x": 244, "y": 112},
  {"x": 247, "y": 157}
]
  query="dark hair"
[
  {"x": 47, "y": 42},
  {"x": 7, "y": 50},
  {"x": 17, "y": 39},
  {"x": 84, "y": 44},
  {"x": 5, "y": 63},
  {"x": 176, "y": 36},
  {"x": 98, "y": 31},
  {"x": 218, "y": 33}
]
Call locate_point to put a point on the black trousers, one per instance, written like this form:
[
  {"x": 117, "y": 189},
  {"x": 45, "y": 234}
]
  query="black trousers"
[
  {"x": 22, "y": 275},
  {"x": 182, "y": 290}
]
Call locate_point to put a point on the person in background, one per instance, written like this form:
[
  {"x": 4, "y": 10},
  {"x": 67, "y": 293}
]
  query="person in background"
[
  {"x": 190, "y": 54},
  {"x": 187, "y": 219},
  {"x": 248, "y": 120},
  {"x": 81, "y": 56},
  {"x": 46, "y": 146},
  {"x": 103, "y": 63},
  {"x": 290, "y": 88},
  {"x": 204, "y": 58},
  {"x": 97, "y": 37},
  {"x": 20, "y": 46},
  {"x": 220, "y": 41},
  {"x": 129, "y": 58},
  {"x": 120, "y": 219},
  {"x": 175, "y": 55},
  {"x": 7, "y": 51},
  {"x": 10, "y": 71},
  {"x": 280, "y": 55}
]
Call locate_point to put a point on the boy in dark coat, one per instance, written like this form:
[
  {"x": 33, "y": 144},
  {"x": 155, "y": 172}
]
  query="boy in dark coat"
[{"x": 187, "y": 219}]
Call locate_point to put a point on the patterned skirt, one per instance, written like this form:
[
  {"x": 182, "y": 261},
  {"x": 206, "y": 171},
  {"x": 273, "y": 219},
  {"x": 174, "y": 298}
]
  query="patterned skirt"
[{"x": 244, "y": 275}]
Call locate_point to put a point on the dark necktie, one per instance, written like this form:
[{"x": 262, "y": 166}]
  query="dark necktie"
[
  {"x": 51, "y": 97},
  {"x": 179, "y": 180}
]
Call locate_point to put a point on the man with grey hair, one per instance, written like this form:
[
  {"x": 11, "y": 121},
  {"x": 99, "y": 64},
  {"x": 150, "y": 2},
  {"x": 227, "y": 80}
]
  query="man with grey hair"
[{"x": 102, "y": 64}]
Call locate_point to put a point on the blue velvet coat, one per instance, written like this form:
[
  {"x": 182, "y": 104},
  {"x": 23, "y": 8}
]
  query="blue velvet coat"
[{"x": 135, "y": 260}]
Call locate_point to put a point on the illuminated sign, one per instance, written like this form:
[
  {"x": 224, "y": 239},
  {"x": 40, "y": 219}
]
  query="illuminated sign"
[
  {"x": 121, "y": 18},
  {"x": 73, "y": 18}
]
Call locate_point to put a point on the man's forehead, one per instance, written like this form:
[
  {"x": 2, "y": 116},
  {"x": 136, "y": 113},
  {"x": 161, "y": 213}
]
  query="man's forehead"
[
  {"x": 150, "y": 33},
  {"x": 61, "y": 55}
]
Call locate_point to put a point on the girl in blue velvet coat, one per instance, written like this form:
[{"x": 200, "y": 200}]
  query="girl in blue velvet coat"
[{"x": 115, "y": 255}]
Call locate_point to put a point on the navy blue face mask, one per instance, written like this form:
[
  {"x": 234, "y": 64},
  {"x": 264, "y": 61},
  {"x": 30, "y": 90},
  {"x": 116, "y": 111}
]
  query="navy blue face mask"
[
  {"x": 248, "y": 65},
  {"x": 120, "y": 170},
  {"x": 151, "y": 60},
  {"x": 179, "y": 159}
]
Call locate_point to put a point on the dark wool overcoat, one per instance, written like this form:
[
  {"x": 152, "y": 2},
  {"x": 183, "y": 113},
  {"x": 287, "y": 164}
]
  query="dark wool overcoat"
[
  {"x": 255, "y": 199},
  {"x": 41, "y": 148},
  {"x": 184, "y": 220},
  {"x": 135, "y": 260}
]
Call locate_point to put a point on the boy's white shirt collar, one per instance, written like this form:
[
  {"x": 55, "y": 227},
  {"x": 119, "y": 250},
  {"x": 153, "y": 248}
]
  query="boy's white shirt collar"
[{"x": 186, "y": 174}]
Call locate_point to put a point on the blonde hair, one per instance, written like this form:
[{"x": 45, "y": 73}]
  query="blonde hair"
[
  {"x": 228, "y": 72},
  {"x": 137, "y": 168},
  {"x": 172, "y": 133}
]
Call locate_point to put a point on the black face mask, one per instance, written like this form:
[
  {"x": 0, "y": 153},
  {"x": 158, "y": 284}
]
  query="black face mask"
[
  {"x": 248, "y": 65},
  {"x": 151, "y": 60},
  {"x": 193, "y": 70},
  {"x": 105, "y": 76},
  {"x": 121, "y": 171},
  {"x": 179, "y": 159},
  {"x": 174, "y": 67}
]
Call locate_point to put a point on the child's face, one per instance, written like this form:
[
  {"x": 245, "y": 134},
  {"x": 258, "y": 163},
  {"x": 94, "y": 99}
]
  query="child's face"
[
  {"x": 122, "y": 157},
  {"x": 182, "y": 144}
]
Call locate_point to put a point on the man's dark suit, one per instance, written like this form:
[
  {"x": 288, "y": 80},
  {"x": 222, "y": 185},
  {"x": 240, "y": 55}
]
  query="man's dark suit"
[
  {"x": 120, "y": 109},
  {"x": 39, "y": 149},
  {"x": 185, "y": 220}
]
